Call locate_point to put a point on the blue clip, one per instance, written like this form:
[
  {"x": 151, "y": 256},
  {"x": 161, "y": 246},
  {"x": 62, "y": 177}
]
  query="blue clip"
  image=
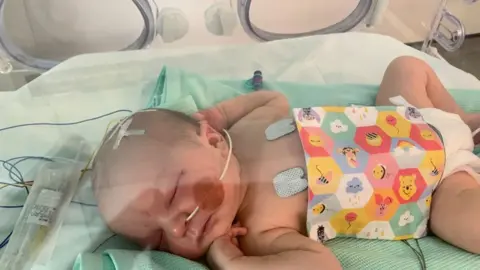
[{"x": 256, "y": 82}]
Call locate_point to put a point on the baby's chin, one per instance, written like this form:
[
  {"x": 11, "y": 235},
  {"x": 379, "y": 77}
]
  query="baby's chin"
[
  {"x": 192, "y": 253},
  {"x": 197, "y": 249}
]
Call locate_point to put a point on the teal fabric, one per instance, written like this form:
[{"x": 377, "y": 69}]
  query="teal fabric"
[
  {"x": 188, "y": 93},
  {"x": 176, "y": 87},
  {"x": 117, "y": 259}
]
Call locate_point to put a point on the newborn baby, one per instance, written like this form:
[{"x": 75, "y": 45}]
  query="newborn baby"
[{"x": 170, "y": 182}]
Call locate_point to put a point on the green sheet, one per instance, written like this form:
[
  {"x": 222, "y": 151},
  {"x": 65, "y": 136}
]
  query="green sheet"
[{"x": 186, "y": 92}]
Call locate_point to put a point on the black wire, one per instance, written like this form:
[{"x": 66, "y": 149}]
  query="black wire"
[
  {"x": 20, "y": 176},
  {"x": 5, "y": 241},
  {"x": 14, "y": 171},
  {"x": 104, "y": 241},
  {"x": 420, "y": 256}
]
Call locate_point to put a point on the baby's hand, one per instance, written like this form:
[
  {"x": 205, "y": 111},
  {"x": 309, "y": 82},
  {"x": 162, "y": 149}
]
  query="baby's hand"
[
  {"x": 213, "y": 116},
  {"x": 225, "y": 249}
]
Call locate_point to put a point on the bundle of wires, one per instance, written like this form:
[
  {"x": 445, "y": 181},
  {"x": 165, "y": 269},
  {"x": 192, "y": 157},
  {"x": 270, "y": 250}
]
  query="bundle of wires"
[{"x": 11, "y": 165}]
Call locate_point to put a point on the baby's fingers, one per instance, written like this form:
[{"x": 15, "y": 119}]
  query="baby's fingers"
[
  {"x": 198, "y": 116},
  {"x": 238, "y": 231}
]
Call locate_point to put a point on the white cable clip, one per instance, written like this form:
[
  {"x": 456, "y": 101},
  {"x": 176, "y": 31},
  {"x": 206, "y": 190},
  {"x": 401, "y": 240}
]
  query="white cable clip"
[{"x": 124, "y": 132}]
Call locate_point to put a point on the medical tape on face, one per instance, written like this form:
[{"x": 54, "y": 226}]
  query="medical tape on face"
[{"x": 280, "y": 129}]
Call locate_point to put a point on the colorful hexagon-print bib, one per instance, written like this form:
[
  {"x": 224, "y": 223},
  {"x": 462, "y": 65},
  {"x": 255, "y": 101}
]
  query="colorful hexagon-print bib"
[{"x": 371, "y": 171}]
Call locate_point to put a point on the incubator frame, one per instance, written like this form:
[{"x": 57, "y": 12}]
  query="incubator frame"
[{"x": 451, "y": 39}]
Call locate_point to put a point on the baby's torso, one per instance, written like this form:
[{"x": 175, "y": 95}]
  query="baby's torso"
[
  {"x": 371, "y": 171},
  {"x": 261, "y": 160}
]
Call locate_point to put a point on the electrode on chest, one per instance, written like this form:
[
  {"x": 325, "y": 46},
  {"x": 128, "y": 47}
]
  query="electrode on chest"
[
  {"x": 290, "y": 182},
  {"x": 280, "y": 128}
]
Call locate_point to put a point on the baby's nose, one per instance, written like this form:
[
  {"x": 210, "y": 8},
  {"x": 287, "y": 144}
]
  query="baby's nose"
[{"x": 177, "y": 227}]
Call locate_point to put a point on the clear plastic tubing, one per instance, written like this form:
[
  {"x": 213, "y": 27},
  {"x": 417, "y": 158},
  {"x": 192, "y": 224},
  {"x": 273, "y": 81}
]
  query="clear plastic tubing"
[{"x": 11, "y": 51}]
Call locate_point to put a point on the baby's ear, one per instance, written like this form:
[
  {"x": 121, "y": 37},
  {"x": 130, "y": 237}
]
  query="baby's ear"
[{"x": 210, "y": 136}]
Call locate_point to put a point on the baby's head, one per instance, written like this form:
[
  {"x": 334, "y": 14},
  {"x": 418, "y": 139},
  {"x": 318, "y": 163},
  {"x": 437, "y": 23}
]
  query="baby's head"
[{"x": 148, "y": 187}]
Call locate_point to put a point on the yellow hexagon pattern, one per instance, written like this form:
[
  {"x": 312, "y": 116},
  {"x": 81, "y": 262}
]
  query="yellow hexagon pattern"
[
  {"x": 323, "y": 175},
  {"x": 394, "y": 124}
]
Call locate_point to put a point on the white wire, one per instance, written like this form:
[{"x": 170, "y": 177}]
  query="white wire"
[
  {"x": 475, "y": 132},
  {"x": 221, "y": 176}
]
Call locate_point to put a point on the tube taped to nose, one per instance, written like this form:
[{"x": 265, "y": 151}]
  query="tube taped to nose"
[{"x": 208, "y": 194}]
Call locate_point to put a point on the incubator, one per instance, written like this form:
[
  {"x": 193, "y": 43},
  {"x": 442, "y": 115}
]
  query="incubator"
[
  {"x": 65, "y": 100},
  {"x": 55, "y": 30}
]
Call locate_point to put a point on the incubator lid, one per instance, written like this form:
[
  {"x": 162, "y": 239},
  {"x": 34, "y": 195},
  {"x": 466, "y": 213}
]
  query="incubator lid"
[{"x": 38, "y": 34}]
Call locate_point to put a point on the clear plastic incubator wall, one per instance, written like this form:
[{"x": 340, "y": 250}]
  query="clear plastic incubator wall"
[{"x": 36, "y": 35}]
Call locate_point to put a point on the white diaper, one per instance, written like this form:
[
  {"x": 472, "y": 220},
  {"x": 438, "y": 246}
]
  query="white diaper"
[{"x": 457, "y": 139}]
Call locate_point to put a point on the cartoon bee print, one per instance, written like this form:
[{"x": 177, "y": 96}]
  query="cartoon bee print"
[
  {"x": 321, "y": 233},
  {"x": 435, "y": 170},
  {"x": 373, "y": 139},
  {"x": 323, "y": 179},
  {"x": 319, "y": 209},
  {"x": 379, "y": 172}
]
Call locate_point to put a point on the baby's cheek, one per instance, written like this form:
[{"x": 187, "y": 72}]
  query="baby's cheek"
[{"x": 208, "y": 194}]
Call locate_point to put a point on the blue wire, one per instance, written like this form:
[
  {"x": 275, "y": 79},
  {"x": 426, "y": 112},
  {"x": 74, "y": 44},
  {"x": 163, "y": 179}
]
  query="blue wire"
[
  {"x": 65, "y": 123},
  {"x": 17, "y": 172},
  {"x": 85, "y": 204},
  {"x": 20, "y": 176}
]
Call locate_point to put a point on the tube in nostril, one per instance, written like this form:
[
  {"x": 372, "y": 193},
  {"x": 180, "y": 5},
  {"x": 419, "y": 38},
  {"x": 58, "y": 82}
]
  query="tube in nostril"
[{"x": 208, "y": 194}]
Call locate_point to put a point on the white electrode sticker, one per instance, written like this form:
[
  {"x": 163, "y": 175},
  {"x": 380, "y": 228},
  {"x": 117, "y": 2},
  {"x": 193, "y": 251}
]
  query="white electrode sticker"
[{"x": 45, "y": 207}]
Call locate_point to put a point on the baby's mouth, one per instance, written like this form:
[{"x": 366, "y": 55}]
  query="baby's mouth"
[{"x": 199, "y": 226}]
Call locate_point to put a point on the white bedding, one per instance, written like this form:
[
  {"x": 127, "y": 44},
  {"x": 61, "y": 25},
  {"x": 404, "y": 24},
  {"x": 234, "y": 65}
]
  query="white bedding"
[{"x": 91, "y": 85}]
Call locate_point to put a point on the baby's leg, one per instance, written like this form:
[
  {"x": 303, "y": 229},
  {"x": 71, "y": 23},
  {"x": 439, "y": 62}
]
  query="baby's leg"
[
  {"x": 414, "y": 80},
  {"x": 455, "y": 214},
  {"x": 455, "y": 203}
]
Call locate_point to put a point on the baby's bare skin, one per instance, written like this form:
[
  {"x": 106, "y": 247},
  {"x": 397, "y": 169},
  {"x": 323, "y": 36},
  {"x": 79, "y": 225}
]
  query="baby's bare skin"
[
  {"x": 271, "y": 220},
  {"x": 263, "y": 210},
  {"x": 276, "y": 237}
]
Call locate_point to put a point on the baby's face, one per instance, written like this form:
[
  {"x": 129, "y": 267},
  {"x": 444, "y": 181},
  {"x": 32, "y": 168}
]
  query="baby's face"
[{"x": 153, "y": 209}]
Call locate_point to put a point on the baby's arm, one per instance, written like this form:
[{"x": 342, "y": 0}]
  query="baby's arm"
[
  {"x": 227, "y": 113},
  {"x": 279, "y": 249}
]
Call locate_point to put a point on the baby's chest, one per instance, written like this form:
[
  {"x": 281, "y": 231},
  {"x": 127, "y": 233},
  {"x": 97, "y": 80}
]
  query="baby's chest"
[
  {"x": 266, "y": 210},
  {"x": 253, "y": 147}
]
